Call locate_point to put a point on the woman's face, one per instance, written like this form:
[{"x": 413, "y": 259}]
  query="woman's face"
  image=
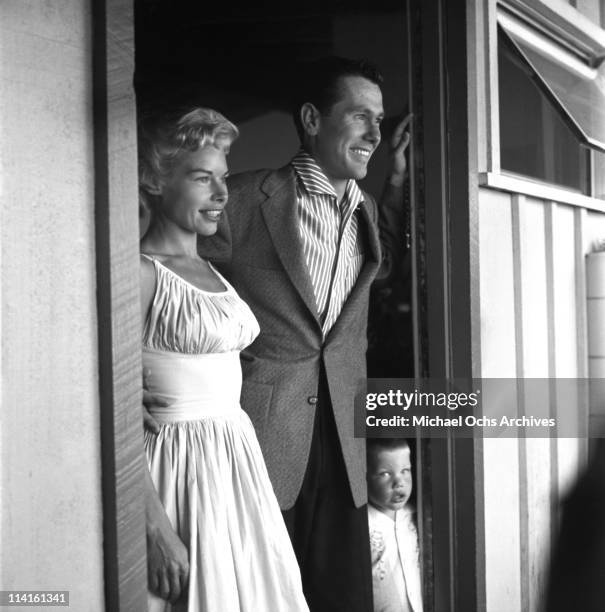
[{"x": 195, "y": 193}]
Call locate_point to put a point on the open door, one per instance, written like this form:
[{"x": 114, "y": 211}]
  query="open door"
[{"x": 240, "y": 58}]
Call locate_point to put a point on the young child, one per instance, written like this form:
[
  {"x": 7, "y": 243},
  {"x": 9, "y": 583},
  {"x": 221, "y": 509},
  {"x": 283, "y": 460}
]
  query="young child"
[{"x": 393, "y": 535}]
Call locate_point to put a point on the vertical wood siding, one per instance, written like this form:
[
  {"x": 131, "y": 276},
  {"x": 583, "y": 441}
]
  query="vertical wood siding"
[
  {"x": 533, "y": 325},
  {"x": 501, "y": 500}
]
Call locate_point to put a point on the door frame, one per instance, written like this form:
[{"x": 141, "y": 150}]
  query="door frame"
[
  {"x": 119, "y": 318},
  {"x": 445, "y": 226},
  {"x": 444, "y": 175}
]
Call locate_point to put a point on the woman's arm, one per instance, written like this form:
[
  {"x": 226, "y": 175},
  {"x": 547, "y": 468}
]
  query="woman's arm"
[
  {"x": 147, "y": 285},
  {"x": 167, "y": 557}
]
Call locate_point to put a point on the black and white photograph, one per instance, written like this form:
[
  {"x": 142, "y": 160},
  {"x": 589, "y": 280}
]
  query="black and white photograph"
[{"x": 302, "y": 305}]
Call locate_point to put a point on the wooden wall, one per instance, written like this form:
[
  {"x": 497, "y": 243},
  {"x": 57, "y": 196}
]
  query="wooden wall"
[{"x": 533, "y": 325}]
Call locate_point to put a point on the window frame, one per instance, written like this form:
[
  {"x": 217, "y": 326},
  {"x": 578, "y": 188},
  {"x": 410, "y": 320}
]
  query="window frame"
[{"x": 564, "y": 25}]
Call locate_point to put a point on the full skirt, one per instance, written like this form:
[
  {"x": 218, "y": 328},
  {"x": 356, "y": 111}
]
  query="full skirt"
[{"x": 213, "y": 483}]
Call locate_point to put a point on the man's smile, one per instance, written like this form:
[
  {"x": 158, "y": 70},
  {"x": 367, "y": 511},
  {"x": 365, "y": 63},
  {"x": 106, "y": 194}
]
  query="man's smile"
[{"x": 363, "y": 153}]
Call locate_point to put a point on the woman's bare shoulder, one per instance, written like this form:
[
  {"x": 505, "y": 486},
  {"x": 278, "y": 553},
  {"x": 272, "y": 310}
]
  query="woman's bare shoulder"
[{"x": 147, "y": 282}]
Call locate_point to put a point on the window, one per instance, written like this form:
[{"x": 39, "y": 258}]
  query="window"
[{"x": 552, "y": 110}]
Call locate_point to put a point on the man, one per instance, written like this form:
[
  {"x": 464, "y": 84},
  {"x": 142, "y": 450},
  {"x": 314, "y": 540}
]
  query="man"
[
  {"x": 302, "y": 248},
  {"x": 305, "y": 249}
]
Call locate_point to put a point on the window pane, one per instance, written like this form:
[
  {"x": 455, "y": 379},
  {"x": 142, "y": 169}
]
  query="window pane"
[
  {"x": 534, "y": 139},
  {"x": 578, "y": 88}
]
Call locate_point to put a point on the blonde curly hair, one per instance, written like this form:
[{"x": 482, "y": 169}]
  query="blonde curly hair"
[{"x": 163, "y": 141}]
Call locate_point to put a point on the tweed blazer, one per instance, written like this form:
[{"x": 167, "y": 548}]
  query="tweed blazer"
[{"x": 281, "y": 368}]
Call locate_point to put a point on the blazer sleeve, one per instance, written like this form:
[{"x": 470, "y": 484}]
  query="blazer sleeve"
[{"x": 392, "y": 217}]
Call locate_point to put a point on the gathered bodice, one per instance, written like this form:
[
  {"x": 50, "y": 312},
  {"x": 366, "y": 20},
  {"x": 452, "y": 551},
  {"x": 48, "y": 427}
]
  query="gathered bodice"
[
  {"x": 191, "y": 344},
  {"x": 188, "y": 320}
]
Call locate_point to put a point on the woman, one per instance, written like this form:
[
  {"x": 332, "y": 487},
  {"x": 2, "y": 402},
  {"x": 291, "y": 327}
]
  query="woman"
[{"x": 205, "y": 462}]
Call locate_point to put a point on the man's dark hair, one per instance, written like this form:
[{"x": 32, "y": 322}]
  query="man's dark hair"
[{"x": 317, "y": 82}]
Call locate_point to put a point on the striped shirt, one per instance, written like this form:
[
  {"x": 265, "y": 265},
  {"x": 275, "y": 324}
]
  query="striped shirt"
[{"x": 331, "y": 243}]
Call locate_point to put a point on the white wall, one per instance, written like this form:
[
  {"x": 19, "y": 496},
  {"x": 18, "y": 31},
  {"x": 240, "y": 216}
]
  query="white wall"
[
  {"x": 533, "y": 325},
  {"x": 590, "y": 8},
  {"x": 50, "y": 488}
]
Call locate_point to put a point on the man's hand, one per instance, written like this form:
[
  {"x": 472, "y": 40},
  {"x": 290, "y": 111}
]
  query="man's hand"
[
  {"x": 400, "y": 139},
  {"x": 150, "y": 400},
  {"x": 167, "y": 563}
]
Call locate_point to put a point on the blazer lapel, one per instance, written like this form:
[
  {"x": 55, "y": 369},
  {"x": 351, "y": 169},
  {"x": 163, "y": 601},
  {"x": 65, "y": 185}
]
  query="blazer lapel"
[
  {"x": 368, "y": 225},
  {"x": 373, "y": 253},
  {"x": 281, "y": 217},
  {"x": 368, "y": 215}
]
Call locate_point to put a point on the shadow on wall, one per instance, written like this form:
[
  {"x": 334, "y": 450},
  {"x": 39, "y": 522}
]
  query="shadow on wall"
[{"x": 578, "y": 562}]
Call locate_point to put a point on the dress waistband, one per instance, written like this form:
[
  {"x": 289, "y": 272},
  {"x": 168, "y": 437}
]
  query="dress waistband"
[{"x": 193, "y": 386}]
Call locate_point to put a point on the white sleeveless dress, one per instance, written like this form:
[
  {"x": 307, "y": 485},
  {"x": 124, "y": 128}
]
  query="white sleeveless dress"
[{"x": 206, "y": 462}]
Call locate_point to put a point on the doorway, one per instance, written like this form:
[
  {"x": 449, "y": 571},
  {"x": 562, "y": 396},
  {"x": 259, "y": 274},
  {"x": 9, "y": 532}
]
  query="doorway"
[{"x": 240, "y": 59}]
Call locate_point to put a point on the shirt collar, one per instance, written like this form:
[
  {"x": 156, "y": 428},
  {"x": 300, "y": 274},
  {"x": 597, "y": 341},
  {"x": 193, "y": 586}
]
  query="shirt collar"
[{"x": 315, "y": 181}]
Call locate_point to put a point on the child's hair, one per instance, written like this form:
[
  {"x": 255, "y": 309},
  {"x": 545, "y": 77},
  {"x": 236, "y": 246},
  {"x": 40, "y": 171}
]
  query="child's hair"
[
  {"x": 374, "y": 445},
  {"x": 164, "y": 139}
]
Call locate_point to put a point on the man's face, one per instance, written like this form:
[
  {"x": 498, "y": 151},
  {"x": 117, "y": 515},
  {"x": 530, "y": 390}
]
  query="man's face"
[{"x": 350, "y": 131}]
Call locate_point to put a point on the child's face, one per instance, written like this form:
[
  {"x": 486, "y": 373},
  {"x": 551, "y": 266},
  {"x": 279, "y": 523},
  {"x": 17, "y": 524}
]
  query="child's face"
[
  {"x": 389, "y": 479},
  {"x": 195, "y": 193}
]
